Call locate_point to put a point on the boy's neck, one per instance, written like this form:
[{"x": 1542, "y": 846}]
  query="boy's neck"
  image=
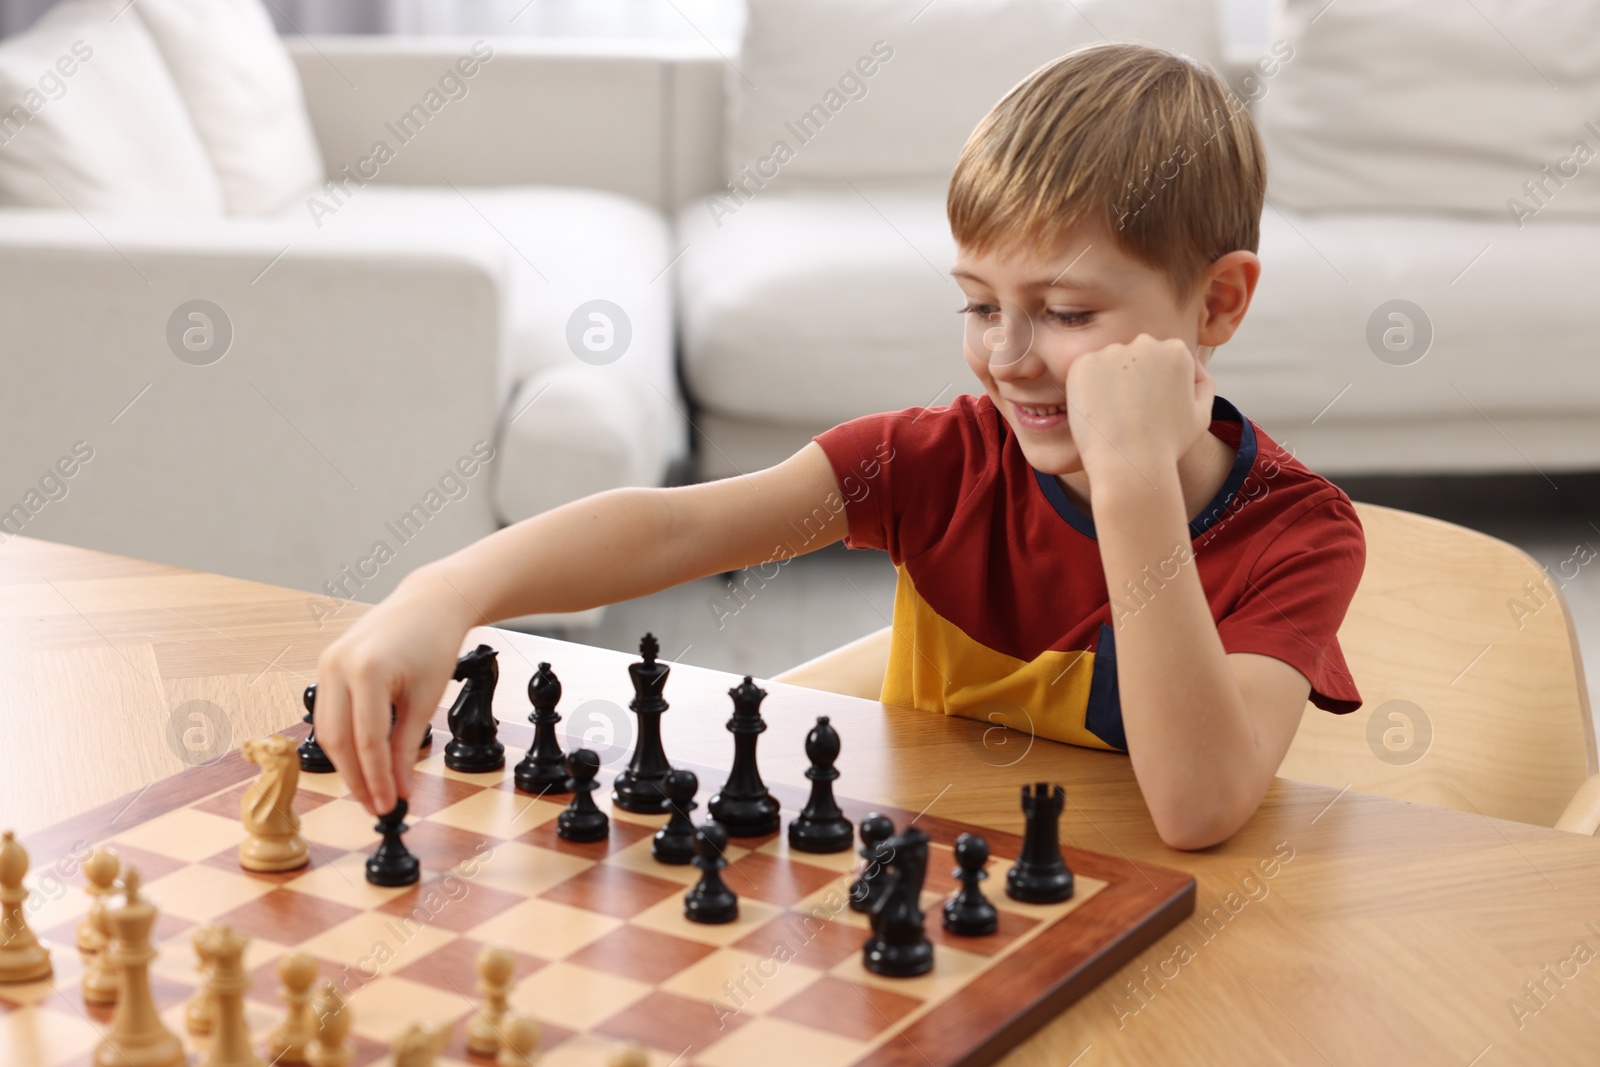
[{"x": 1202, "y": 471}]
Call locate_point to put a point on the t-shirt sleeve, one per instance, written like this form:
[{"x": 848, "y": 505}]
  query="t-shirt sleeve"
[
  {"x": 1295, "y": 598},
  {"x": 898, "y": 473}
]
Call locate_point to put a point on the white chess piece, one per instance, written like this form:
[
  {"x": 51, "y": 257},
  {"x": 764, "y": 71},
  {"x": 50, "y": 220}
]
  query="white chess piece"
[
  {"x": 519, "y": 1046},
  {"x": 272, "y": 826},
  {"x": 288, "y": 1041},
  {"x": 495, "y": 964},
  {"x": 332, "y": 1046},
  {"x": 419, "y": 1045},
  {"x": 22, "y": 958}
]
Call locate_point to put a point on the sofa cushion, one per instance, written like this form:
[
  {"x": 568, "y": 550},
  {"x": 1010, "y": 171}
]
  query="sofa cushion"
[
  {"x": 1436, "y": 106},
  {"x": 812, "y": 308},
  {"x": 1307, "y": 351},
  {"x": 871, "y": 90},
  {"x": 818, "y": 305},
  {"x": 244, "y": 96},
  {"x": 93, "y": 122},
  {"x": 564, "y": 248}
]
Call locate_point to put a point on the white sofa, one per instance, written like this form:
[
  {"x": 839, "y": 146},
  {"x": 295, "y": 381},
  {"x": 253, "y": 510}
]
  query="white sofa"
[
  {"x": 429, "y": 312},
  {"x": 405, "y": 372}
]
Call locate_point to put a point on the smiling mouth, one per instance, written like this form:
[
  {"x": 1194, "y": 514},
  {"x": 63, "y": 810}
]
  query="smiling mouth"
[{"x": 1041, "y": 412}]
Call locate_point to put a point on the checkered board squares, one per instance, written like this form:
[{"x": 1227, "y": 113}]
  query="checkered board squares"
[{"x": 603, "y": 953}]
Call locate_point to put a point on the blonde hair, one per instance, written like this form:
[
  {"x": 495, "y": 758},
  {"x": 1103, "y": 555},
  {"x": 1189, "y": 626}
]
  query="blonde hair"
[{"x": 1153, "y": 144}]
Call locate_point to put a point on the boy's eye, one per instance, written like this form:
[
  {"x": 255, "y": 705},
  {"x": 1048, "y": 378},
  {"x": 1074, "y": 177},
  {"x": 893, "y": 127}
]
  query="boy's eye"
[
  {"x": 1066, "y": 318},
  {"x": 1072, "y": 318}
]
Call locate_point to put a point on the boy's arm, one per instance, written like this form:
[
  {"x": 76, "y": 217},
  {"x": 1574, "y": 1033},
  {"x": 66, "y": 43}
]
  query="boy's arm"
[
  {"x": 1206, "y": 730},
  {"x": 604, "y": 548}
]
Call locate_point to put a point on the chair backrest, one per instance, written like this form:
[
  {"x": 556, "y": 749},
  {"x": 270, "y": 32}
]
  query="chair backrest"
[
  {"x": 1472, "y": 683},
  {"x": 1468, "y": 668}
]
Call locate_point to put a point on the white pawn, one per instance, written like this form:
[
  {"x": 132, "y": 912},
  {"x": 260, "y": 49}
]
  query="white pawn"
[
  {"x": 22, "y": 958},
  {"x": 101, "y": 868},
  {"x": 287, "y": 1042},
  {"x": 495, "y": 964},
  {"x": 332, "y": 1046},
  {"x": 519, "y": 1045},
  {"x": 100, "y": 981}
]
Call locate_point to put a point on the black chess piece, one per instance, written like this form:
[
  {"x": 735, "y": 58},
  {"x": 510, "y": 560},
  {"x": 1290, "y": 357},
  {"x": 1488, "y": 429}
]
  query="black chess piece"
[
  {"x": 744, "y": 806},
  {"x": 674, "y": 842},
  {"x": 969, "y": 912},
  {"x": 583, "y": 820},
  {"x": 899, "y": 946},
  {"x": 821, "y": 826},
  {"x": 710, "y": 901},
  {"x": 638, "y": 787},
  {"x": 1040, "y": 875},
  {"x": 312, "y": 759},
  {"x": 865, "y": 890},
  {"x": 544, "y": 768},
  {"x": 474, "y": 747},
  {"x": 393, "y": 864}
]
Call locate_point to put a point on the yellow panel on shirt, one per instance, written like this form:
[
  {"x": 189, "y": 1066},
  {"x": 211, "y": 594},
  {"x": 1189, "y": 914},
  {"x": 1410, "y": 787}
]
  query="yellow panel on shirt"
[{"x": 935, "y": 666}]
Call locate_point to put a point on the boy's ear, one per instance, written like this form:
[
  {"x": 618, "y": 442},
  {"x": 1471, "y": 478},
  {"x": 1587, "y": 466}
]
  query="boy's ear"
[{"x": 1228, "y": 286}]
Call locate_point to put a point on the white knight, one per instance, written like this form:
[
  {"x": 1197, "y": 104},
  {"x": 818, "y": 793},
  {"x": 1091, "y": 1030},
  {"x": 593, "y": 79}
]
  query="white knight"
[{"x": 272, "y": 827}]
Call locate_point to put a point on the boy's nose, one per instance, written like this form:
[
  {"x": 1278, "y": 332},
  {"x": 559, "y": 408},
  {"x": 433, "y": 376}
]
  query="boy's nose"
[{"x": 1007, "y": 344}]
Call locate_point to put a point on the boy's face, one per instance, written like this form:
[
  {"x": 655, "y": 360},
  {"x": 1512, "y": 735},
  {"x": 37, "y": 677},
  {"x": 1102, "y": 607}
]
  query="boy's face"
[{"x": 1034, "y": 313}]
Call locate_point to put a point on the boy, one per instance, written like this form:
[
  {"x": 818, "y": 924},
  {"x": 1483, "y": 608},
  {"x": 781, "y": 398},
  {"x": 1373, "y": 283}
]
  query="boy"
[{"x": 1096, "y": 548}]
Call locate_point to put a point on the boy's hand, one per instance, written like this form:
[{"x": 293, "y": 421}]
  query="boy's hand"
[
  {"x": 1135, "y": 408},
  {"x": 402, "y": 652}
]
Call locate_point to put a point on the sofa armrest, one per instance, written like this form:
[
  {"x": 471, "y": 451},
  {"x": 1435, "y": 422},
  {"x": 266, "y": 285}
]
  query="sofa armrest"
[
  {"x": 360, "y": 371},
  {"x": 535, "y": 111}
]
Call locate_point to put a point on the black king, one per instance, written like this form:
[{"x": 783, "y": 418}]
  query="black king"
[{"x": 638, "y": 788}]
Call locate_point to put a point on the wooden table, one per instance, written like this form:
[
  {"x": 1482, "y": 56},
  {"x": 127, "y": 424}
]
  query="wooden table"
[{"x": 1386, "y": 932}]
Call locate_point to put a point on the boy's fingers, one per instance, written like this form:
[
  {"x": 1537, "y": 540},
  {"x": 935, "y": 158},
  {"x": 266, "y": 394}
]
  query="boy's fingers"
[
  {"x": 409, "y": 729},
  {"x": 331, "y": 722},
  {"x": 369, "y": 718}
]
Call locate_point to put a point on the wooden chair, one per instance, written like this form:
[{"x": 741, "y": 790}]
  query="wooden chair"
[{"x": 1470, "y": 702}]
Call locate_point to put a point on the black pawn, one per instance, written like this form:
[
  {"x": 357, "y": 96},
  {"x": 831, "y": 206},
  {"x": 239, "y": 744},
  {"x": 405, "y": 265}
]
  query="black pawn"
[
  {"x": 544, "y": 768},
  {"x": 474, "y": 747},
  {"x": 674, "y": 842},
  {"x": 1040, "y": 875},
  {"x": 638, "y": 788},
  {"x": 312, "y": 759},
  {"x": 865, "y": 890},
  {"x": 710, "y": 901},
  {"x": 582, "y": 820},
  {"x": 744, "y": 806},
  {"x": 821, "y": 826},
  {"x": 969, "y": 913},
  {"x": 393, "y": 864}
]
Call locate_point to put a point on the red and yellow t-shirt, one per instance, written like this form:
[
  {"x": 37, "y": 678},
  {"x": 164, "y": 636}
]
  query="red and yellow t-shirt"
[{"x": 1001, "y": 608}]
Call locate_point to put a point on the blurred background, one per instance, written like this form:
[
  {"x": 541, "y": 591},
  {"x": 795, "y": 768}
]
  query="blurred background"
[{"x": 315, "y": 291}]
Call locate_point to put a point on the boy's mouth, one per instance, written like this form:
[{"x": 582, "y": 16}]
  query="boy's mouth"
[{"x": 1040, "y": 417}]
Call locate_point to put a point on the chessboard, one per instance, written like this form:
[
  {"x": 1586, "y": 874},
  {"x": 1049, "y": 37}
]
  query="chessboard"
[{"x": 604, "y": 957}]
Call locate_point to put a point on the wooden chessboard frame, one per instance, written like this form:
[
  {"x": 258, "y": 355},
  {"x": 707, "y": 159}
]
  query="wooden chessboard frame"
[{"x": 990, "y": 1016}]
